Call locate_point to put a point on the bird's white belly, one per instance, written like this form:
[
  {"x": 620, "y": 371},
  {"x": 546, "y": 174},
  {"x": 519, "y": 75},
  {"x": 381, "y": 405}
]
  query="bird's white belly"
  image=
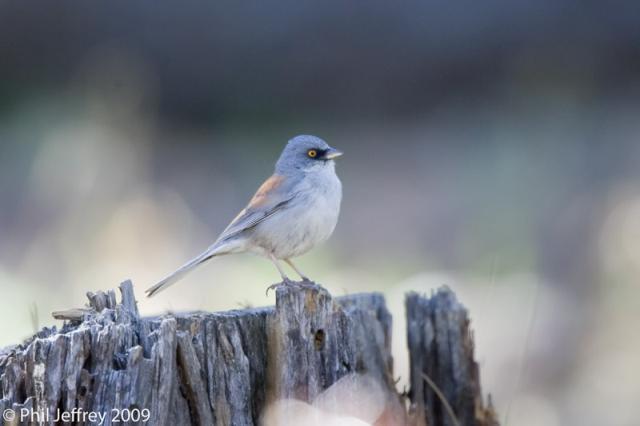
[{"x": 307, "y": 222}]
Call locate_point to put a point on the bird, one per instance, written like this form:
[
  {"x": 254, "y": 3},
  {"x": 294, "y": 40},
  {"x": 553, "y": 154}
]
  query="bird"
[{"x": 294, "y": 210}]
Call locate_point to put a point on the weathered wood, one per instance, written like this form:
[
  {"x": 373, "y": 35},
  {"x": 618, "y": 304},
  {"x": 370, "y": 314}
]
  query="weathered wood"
[
  {"x": 315, "y": 344},
  {"x": 225, "y": 368},
  {"x": 441, "y": 352},
  {"x": 198, "y": 368}
]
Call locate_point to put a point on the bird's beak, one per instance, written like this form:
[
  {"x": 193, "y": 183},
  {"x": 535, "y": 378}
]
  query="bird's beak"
[{"x": 332, "y": 153}]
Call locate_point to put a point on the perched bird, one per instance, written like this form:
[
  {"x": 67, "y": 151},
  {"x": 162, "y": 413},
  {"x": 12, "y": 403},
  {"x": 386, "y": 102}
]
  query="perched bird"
[{"x": 293, "y": 211}]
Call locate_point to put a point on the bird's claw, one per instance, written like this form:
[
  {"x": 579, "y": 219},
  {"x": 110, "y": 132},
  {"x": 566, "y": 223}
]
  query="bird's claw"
[
  {"x": 306, "y": 282},
  {"x": 285, "y": 281},
  {"x": 271, "y": 287}
]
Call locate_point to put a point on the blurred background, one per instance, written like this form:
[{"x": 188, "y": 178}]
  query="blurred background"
[{"x": 491, "y": 147}]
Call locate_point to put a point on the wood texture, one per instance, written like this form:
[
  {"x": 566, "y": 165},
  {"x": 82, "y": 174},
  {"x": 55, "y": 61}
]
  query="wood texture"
[
  {"x": 224, "y": 368},
  {"x": 198, "y": 368},
  {"x": 441, "y": 348}
]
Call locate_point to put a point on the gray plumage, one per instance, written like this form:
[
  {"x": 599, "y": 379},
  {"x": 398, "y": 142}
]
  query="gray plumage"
[{"x": 293, "y": 211}]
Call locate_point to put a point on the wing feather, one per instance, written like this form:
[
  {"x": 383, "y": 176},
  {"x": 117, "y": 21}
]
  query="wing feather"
[{"x": 272, "y": 196}]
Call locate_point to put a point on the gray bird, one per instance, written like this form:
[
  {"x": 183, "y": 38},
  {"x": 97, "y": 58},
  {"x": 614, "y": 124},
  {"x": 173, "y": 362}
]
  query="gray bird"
[{"x": 293, "y": 211}]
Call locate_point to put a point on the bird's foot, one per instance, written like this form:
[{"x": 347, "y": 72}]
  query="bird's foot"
[
  {"x": 306, "y": 282},
  {"x": 285, "y": 281}
]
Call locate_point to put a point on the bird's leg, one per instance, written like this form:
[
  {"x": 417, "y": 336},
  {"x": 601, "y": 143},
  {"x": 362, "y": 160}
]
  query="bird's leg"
[
  {"x": 303, "y": 276},
  {"x": 285, "y": 279},
  {"x": 282, "y": 274}
]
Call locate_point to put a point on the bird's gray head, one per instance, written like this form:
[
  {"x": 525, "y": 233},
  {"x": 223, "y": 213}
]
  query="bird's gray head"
[{"x": 306, "y": 153}]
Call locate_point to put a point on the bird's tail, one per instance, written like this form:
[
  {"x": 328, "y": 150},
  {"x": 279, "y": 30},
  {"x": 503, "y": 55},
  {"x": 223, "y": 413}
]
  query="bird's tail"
[{"x": 183, "y": 270}]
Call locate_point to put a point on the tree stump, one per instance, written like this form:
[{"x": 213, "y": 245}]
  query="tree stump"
[
  {"x": 224, "y": 368},
  {"x": 441, "y": 353}
]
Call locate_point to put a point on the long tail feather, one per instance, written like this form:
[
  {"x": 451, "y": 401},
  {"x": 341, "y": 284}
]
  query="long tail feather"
[{"x": 181, "y": 272}]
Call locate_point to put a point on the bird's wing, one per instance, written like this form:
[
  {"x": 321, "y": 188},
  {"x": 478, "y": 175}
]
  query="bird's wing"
[{"x": 273, "y": 195}]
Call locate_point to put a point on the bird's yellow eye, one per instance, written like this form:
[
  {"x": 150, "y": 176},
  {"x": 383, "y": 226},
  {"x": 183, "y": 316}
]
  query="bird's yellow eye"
[{"x": 312, "y": 153}]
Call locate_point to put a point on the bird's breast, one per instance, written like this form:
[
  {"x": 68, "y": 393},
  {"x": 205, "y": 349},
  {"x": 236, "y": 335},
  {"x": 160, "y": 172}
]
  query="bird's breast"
[{"x": 308, "y": 221}]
